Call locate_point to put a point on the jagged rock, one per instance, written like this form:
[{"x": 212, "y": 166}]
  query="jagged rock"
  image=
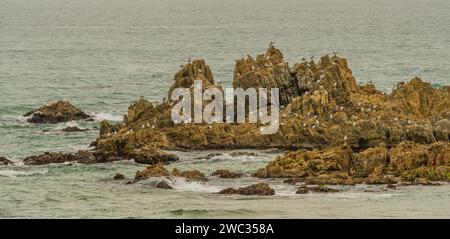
[
  {"x": 197, "y": 70},
  {"x": 163, "y": 184},
  {"x": 318, "y": 189},
  {"x": 322, "y": 106},
  {"x": 5, "y": 161},
  {"x": 152, "y": 156},
  {"x": 255, "y": 189},
  {"x": 73, "y": 129},
  {"x": 157, "y": 170},
  {"x": 221, "y": 173},
  {"x": 61, "y": 111},
  {"x": 119, "y": 176},
  {"x": 190, "y": 175},
  {"x": 266, "y": 71},
  {"x": 419, "y": 98}
]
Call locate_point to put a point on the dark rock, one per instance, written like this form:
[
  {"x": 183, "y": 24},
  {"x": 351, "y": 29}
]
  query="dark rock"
[
  {"x": 152, "y": 156},
  {"x": 318, "y": 189},
  {"x": 221, "y": 173},
  {"x": 5, "y": 161},
  {"x": 255, "y": 189},
  {"x": 119, "y": 176},
  {"x": 163, "y": 184},
  {"x": 237, "y": 154}
]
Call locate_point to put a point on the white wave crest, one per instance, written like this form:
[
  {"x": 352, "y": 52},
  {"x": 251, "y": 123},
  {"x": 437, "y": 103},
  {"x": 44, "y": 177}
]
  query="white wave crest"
[
  {"x": 16, "y": 173},
  {"x": 116, "y": 117}
]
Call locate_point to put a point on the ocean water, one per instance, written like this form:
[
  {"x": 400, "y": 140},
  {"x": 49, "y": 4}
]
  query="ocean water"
[{"x": 103, "y": 54}]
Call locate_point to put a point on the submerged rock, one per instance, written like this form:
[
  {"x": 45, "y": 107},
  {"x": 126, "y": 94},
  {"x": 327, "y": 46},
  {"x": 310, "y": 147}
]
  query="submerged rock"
[
  {"x": 61, "y": 111},
  {"x": 255, "y": 189},
  {"x": 5, "y": 161},
  {"x": 119, "y": 176},
  {"x": 221, "y": 173},
  {"x": 318, "y": 189},
  {"x": 163, "y": 184},
  {"x": 73, "y": 129}
]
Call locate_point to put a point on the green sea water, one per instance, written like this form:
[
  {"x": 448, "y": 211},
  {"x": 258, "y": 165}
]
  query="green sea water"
[{"x": 103, "y": 54}]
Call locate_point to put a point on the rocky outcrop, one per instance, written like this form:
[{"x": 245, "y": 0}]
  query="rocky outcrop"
[
  {"x": 61, "y": 111},
  {"x": 321, "y": 105},
  {"x": 5, "y": 161},
  {"x": 311, "y": 163},
  {"x": 379, "y": 165},
  {"x": 222, "y": 173},
  {"x": 255, "y": 189}
]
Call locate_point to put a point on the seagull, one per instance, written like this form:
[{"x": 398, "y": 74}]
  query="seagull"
[
  {"x": 303, "y": 59},
  {"x": 271, "y": 43},
  {"x": 354, "y": 123},
  {"x": 209, "y": 127},
  {"x": 345, "y": 137},
  {"x": 238, "y": 74},
  {"x": 189, "y": 60},
  {"x": 143, "y": 126},
  {"x": 199, "y": 70},
  {"x": 335, "y": 53},
  {"x": 312, "y": 58}
]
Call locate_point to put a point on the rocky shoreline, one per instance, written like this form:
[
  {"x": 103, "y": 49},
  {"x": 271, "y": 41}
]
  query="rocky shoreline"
[{"x": 336, "y": 131}]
